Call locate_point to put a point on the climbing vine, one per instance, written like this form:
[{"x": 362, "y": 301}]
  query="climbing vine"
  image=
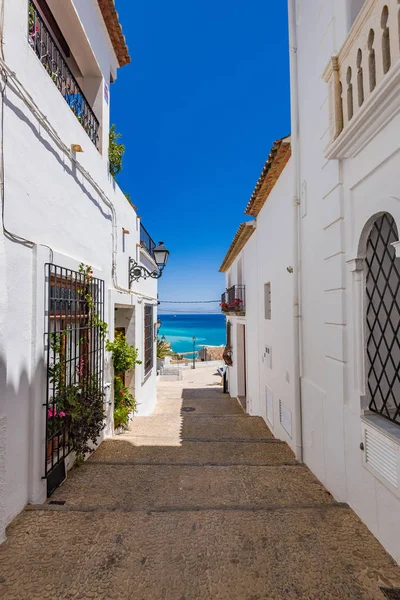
[
  {"x": 125, "y": 357},
  {"x": 78, "y": 397}
]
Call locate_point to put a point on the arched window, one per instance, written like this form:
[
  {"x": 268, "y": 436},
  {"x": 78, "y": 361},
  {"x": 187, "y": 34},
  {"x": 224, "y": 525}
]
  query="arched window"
[
  {"x": 385, "y": 40},
  {"x": 383, "y": 319}
]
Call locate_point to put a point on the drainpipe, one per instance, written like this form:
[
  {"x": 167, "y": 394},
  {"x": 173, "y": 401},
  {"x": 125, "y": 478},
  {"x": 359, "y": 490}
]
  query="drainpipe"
[{"x": 296, "y": 230}]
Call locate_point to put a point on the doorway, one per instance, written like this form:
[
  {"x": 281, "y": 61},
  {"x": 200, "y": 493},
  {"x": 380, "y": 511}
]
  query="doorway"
[{"x": 241, "y": 363}]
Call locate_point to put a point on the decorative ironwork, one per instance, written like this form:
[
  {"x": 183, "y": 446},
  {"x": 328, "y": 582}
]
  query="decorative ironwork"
[
  {"x": 233, "y": 300},
  {"x": 75, "y": 356},
  {"x": 146, "y": 241},
  {"x": 383, "y": 320},
  {"x": 56, "y": 66},
  {"x": 137, "y": 271},
  {"x": 148, "y": 339}
]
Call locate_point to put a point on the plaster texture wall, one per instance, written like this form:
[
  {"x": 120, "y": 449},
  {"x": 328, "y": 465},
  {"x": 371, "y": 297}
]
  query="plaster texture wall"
[
  {"x": 339, "y": 203},
  {"x": 65, "y": 219},
  {"x": 339, "y": 200},
  {"x": 265, "y": 259}
]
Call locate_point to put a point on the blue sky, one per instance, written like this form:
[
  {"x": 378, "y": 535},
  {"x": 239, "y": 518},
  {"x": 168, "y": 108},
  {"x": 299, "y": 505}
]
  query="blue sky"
[{"x": 199, "y": 107}]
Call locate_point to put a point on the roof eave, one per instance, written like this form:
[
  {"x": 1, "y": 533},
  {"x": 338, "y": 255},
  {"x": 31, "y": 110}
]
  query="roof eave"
[{"x": 241, "y": 238}]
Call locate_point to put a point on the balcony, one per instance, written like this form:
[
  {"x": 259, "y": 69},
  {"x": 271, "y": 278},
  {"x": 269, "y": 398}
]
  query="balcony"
[
  {"x": 53, "y": 60},
  {"x": 364, "y": 79},
  {"x": 146, "y": 242},
  {"x": 233, "y": 301}
]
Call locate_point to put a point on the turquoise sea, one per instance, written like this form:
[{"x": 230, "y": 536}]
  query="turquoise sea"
[{"x": 179, "y": 330}]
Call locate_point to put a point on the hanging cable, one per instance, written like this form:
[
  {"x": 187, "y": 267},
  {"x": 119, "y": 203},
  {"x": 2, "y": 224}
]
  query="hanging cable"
[{"x": 188, "y": 301}]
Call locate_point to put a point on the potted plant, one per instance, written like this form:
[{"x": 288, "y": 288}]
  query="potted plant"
[
  {"x": 125, "y": 357},
  {"x": 227, "y": 356}
]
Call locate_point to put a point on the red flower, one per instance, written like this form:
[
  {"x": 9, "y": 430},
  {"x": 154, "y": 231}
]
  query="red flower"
[
  {"x": 90, "y": 272},
  {"x": 122, "y": 392}
]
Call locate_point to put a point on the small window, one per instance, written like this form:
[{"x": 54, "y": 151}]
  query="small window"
[
  {"x": 267, "y": 300},
  {"x": 148, "y": 339}
]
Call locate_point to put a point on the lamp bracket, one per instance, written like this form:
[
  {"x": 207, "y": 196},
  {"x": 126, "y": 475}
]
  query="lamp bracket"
[{"x": 137, "y": 271}]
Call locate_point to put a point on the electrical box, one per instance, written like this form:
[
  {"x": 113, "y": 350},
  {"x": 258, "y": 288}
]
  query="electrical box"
[{"x": 268, "y": 357}]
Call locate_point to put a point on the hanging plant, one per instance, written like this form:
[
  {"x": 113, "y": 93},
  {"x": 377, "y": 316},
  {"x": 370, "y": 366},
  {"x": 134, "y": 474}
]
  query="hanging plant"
[
  {"x": 228, "y": 356},
  {"x": 125, "y": 357}
]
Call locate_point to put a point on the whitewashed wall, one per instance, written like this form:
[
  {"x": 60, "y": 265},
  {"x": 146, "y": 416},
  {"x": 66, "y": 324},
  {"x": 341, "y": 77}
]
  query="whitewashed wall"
[
  {"x": 340, "y": 197},
  {"x": 49, "y": 202},
  {"x": 265, "y": 259}
]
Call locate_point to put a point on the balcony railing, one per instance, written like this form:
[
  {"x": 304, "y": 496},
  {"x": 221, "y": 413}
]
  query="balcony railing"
[
  {"x": 365, "y": 60},
  {"x": 233, "y": 301},
  {"x": 53, "y": 61},
  {"x": 146, "y": 241}
]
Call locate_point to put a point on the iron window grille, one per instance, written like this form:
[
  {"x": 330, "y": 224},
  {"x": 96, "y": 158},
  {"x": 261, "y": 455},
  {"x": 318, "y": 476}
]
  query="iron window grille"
[
  {"x": 49, "y": 54},
  {"x": 383, "y": 320},
  {"x": 148, "y": 339},
  {"x": 74, "y": 352},
  {"x": 146, "y": 241}
]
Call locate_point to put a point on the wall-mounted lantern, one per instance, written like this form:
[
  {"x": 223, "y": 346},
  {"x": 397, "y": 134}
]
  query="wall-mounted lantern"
[{"x": 137, "y": 271}]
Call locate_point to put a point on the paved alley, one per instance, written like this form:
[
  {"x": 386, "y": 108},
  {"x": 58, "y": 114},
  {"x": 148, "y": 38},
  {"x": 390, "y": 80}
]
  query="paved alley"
[{"x": 197, "y": 501}]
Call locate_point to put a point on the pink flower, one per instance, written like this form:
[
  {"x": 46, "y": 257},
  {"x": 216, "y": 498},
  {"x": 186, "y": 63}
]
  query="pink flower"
[
  {"x": 51, "y": 412},
  {"x": 122, "y": 392},
  {"x": 61, "y": 414}
]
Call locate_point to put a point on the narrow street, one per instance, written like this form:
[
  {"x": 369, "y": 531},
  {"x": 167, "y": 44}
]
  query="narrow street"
[{"x": 198, "y": 501}]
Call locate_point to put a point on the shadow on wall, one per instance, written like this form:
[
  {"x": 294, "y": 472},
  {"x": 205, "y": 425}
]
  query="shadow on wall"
[
  {"x": 58, "y": 155},
  {"x": 22, "y": 433}
]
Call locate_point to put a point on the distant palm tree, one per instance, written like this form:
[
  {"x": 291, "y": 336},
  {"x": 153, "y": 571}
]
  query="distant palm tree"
[{"x": 163, "y": 349}]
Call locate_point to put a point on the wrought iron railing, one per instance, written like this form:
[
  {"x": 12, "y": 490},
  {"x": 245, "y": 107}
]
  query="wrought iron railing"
[
  {"x": 55, "y": 64},
  {"x": 146, "y": 241},
  {"x": 75, "y": 360},
  {"x": 234, "y": 300}
]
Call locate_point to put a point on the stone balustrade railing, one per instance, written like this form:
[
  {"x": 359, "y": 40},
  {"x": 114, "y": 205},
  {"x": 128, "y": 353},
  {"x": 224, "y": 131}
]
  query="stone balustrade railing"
[{"x": 364, "y": 61}]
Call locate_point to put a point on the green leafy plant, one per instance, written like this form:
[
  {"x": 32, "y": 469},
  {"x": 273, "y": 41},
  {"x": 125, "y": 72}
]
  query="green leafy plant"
[
  {"x": 124, "y": 403},
  {"x": 125, "y": 357},
  {"x": 86, "y": 292},
  {"x": 82, "y": 404},
  {"x": 116, "y": 152}
]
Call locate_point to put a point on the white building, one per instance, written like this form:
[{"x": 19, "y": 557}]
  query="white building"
[
  {"x": 61, "y": 208},
  {"x": 326, "y": 240}
]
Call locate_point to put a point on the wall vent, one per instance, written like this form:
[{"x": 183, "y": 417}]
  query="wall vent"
[
  {"x": 270, "y": 405},
  {"x": 285, "y": 417},
  {"x": 381, "y": 456}
]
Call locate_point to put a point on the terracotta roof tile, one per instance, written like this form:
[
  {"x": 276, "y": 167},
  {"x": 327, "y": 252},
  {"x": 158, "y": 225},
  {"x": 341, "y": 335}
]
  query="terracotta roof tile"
[
  {"x": 244, "y": 233},
  {"x": 276, "y": 162},
  {"x": 114, "y": 28}
]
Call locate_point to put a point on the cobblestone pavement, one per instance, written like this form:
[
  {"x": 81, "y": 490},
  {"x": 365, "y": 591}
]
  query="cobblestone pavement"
[{"x": 195, "y": 505}]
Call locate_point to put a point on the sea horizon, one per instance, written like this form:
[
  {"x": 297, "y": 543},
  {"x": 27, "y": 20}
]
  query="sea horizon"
[{"x": 180, "y": 328}]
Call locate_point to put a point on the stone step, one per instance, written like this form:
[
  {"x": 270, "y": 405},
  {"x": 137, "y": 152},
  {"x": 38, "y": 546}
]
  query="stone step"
[
  {"x": 148, "y": 486},
  {"x": 221, "y": 406},
  {"x": 165, "y": 430},
  {"x": 254, "y": 453}
]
